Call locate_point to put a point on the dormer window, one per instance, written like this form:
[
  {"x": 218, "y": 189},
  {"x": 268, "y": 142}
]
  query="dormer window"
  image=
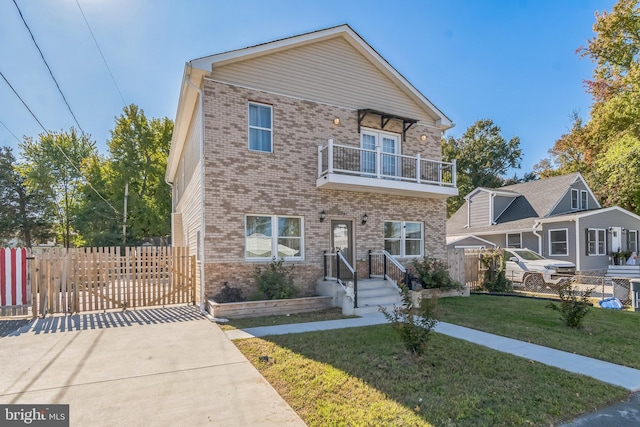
[
  {"x": 579, "y": 199},
  {"x": 574, "y": 198}
]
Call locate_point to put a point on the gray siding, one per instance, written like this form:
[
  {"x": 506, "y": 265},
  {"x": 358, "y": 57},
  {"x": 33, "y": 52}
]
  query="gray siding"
[
  {"x": 479, "y": 210},
  {"x": 604, "y": 220},
  {"x": 564, "y": 206},
  {"x": 330, "y": 71},
  {"x": 570, "y": 226}
]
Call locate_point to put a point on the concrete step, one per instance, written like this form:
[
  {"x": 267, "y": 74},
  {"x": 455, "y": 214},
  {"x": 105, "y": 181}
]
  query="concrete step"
[{"x": 372, "y": 309}]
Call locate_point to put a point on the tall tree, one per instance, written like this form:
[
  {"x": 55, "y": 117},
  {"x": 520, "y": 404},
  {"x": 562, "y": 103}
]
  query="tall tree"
[
  {"x": 24, "y": 213},
  {"x": 138, "y": 152},
  {"x": 482, "y": 156},
  {"x": 54, "y": 165}
]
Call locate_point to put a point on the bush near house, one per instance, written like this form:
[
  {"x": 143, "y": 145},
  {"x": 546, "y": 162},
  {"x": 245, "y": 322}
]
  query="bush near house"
[
  {"x": 432, "y": 273},
  {"x": 274, "y": 281}
]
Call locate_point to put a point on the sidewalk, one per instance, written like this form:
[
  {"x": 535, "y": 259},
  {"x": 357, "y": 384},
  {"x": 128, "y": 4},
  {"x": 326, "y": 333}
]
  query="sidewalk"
[{"x": 627, "y": 413}]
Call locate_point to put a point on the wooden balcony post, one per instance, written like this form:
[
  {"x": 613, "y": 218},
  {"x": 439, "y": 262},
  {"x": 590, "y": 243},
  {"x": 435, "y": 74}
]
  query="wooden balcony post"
[
  {"x": 418, "y": 161},
  {"x": 453, "y": 172},
  {"x": 330, "y": 157},
  {"x": 319, "y": 160},
  {"x": 378, "y": 161}
]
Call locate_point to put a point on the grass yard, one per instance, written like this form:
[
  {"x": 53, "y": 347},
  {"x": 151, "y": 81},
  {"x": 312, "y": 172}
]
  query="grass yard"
[
  {"x": 314, "y": 316},
  {"x": 364, "y": 377},
  {"x": 609, "y": 335}
]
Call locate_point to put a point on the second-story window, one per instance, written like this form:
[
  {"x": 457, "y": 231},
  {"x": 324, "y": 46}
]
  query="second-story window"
[{"x": 260, "y": 127}]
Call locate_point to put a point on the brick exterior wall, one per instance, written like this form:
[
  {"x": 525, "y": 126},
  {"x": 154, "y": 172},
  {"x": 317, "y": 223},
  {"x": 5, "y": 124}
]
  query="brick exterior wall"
[{"x": 240, "y": 182}]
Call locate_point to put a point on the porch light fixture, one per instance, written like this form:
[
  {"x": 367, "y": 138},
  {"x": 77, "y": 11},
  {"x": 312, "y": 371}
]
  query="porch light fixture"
[
  {"x": 336, "y": 121},
  {"x": 423, "y": 137},
  {"x": 365, "y": 218},
  {"x": 323, "y": 215}
]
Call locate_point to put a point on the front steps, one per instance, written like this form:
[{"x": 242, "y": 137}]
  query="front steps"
[
  {"x": 372, "y": 293},
  {"x": 627, "y": 271}
]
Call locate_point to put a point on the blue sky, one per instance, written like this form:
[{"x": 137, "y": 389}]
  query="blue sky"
[{"x": 513, "y": 61}]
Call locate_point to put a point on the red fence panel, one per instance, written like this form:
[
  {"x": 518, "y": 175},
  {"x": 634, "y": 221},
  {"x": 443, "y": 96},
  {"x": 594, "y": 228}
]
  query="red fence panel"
[{"x": 13, "y": 277}]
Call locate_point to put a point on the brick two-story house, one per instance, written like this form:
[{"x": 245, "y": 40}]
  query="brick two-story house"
[{"x": 299, "y": 146}]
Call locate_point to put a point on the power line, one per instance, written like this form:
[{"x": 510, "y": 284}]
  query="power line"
[
  {"x": 58, "y": 146},
  {"x": 48, "y": 68},
  {"x": 9, "y": 130},
  {"x": 101, "y": 54}
]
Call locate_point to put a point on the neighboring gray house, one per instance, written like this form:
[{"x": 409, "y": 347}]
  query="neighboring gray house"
[{"x": 558, "y": 217}]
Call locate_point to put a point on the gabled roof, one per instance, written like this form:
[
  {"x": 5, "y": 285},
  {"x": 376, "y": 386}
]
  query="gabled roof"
[
  {"x": 537, "y": 200},
  {"x": 197, "y": 69}
]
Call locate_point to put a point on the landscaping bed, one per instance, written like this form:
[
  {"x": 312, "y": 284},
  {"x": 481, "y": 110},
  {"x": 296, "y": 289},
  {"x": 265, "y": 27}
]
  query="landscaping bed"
[{"x": 234, "y": 310}]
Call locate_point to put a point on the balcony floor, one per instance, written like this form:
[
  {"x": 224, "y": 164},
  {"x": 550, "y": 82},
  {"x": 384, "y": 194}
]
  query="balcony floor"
[{"x": 335, "y": 181}]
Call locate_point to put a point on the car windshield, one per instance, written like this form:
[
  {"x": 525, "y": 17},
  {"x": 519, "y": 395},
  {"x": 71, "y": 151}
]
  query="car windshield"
[{"x": 528, "y": 255}]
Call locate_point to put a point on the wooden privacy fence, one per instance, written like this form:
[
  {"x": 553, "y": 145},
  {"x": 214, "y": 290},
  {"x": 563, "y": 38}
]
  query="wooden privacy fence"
[
  {"x": 465, "y": 266},
  {"x": 88, "y": 279}
]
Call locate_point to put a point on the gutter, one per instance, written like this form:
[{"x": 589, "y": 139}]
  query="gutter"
[
  {"x": 535, "y": 233},
  {"x": 202, "y": 227}
]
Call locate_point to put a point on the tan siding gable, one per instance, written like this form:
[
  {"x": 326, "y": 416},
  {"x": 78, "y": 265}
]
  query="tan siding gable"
[{"x": 329, "y": 71}]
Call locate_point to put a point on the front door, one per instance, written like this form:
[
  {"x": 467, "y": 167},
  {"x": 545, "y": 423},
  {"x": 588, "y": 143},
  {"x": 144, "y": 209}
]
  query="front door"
[
  {"x": 616, "y": 239},
  {"x": 342, "y": 240}
]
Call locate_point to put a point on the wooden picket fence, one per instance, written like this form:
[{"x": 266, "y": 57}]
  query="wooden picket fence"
[{"x": 88, "y": 279}]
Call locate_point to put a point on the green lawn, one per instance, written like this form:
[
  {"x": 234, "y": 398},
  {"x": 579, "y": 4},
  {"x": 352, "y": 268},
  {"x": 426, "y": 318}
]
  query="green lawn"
[
  {"x": 313, "y": 316},
  {"x": 609, "y": 335},
  {"x": 363, "y": 377}
]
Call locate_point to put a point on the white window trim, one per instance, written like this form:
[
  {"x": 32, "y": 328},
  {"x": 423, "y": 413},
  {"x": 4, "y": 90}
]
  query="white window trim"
[
  {"x": 249, "y": 127},
  {"x": 566, "y": 234},
  {"x": 506, "y": 240},
  {"x": 403, "y": 238},
  {"x": 635, "y": 232},
  {"x": 274, "y": 239},
  {"x": 584, "y": 205},
  {"x": 597, "y": 241},
  {"x": 378, "y": 134},
  {"x": 577, "y": 198}
]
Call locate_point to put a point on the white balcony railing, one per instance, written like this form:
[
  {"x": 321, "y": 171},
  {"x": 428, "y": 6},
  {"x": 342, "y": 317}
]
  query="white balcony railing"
[{"x": 376, "y": 164}]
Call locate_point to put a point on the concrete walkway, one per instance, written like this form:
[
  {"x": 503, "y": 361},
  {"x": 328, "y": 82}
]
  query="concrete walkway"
[
  {"x": 150, "y": 367},
  {"x": 624, "y": 414}
]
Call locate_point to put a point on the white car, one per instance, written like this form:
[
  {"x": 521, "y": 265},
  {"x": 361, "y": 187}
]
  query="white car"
[{"x": 527, "y": 267}]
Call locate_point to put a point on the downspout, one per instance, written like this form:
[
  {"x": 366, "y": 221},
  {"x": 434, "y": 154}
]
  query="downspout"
[
  {"x": 202, "y": 227},
  {"x": 535, "y": 233}
]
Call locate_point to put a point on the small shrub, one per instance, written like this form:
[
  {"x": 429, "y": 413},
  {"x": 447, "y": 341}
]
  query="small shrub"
[
  {"x": 275, "y": 281},
  {"x": 495, "y": 277},
  {"x": 229, "y": 294},
  {"x": 433, "y": 273},
  {"x": 413, "y": 324},
  {"x": 573, "y": 307}
]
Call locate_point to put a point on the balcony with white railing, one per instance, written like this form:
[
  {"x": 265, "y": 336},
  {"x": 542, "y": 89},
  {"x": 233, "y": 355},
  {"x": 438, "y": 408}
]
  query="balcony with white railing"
[{"x": 342, "y": 167}]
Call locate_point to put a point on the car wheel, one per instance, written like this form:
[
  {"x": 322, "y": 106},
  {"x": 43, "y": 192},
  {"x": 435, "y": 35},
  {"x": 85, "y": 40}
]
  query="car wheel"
[{"x": 533, "y": 282}]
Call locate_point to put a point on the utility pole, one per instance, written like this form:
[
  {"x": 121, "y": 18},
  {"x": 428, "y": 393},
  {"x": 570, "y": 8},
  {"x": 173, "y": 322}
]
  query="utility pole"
[{"x": 124, "y": 221}]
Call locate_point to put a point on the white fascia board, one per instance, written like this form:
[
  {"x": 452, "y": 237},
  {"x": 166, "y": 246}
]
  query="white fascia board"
[{"x": 186, "y": 106}]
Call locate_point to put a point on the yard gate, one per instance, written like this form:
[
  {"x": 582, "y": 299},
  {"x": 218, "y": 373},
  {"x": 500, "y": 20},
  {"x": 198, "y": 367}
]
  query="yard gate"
[{"x": 88, "y": 279}]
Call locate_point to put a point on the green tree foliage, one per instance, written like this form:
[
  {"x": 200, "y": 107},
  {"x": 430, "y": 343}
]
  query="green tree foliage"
[
  {"x": 483, "y": 156},
  {"x": 604, "y": 149},
  {"x": 138, "y": 151},
  {"x": 24, "y": 213},
  {"x": 53, "y": 166}
]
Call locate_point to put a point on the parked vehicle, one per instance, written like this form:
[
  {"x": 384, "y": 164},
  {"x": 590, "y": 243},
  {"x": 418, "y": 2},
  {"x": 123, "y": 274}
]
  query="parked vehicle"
[{"x": 527, "y": 267}]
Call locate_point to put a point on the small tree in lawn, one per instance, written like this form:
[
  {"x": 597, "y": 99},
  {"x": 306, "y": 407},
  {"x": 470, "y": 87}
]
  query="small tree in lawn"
[
  {"x": 573, "y": 308},
  {"x": 413, "y": 324}
]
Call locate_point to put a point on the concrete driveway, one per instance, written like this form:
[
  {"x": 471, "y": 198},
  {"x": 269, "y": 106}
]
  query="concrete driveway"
[{"x": 150, "y": 367}]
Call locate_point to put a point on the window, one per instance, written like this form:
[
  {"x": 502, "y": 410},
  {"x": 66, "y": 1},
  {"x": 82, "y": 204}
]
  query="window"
[
  {"x": 260, "y": 127},
  {"x": 584, "y": 204},
  {"x": 403, "y": 239},
  {"x": 574, "y": 198},
  {"x": 514, "y": 240},
  {"x": 632, "y": 244},
  {"x": 268, "y": 237},
  {"x": 558, "y": 242},
  {"x": 596, "y": 241}
]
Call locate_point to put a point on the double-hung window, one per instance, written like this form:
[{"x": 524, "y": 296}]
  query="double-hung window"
[
  {"x": 574, "y": 198},
  {"x": 632, "y": 242},
  {"x": 273, "y": 236},
  {"x": 559, "y": 242},
  {"x": 584, "y": 200},
  {"x": 514, "y": 240},
  {"x": 260, "y": 127},
  {"x": 403, "y": 238},
  {"x": 596, "y": 241}
]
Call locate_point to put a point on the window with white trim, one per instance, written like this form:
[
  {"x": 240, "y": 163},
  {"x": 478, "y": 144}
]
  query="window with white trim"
[
  {"x": 559, "y": 242},
  {"x": 574, "y": 198},
  {"x": 273, "y": 236},
  {"x": 260, "y": 127},
  {"x": 514, "y": 240},
  {"x": 596, "y": 241},
  {"x": 584, "y": 200},
  {"x": 632, "y": 243},
  {"x": 403, "y": 238}
]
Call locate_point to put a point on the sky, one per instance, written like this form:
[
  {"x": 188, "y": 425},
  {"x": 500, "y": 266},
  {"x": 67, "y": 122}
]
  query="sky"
[{"x": 511, "y": 61}]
